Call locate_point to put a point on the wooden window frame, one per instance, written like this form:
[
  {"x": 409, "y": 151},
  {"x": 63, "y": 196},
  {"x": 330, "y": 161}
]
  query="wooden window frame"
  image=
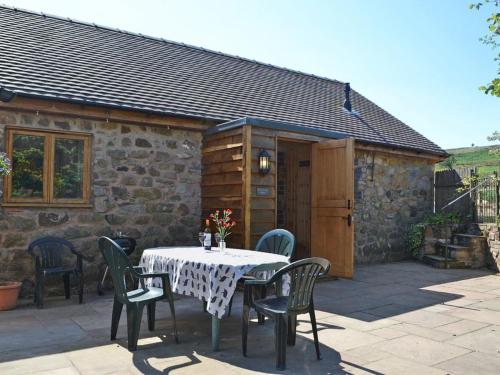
[{"x": 48, "y": 200}]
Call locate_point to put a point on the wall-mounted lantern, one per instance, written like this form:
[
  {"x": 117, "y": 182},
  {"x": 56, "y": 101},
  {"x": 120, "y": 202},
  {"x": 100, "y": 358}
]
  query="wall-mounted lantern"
[{"x": 264, "y": 162}]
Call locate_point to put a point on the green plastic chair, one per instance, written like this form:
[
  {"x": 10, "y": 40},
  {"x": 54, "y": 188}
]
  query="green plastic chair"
[
  {"x": 284, "y": 309},
  {"x": 276, "y": 241},
  {"x": 135, "y": 300}
]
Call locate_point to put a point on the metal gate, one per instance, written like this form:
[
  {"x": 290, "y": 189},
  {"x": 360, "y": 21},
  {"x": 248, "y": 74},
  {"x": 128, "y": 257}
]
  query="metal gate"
[{"x": 475, "y": 198}]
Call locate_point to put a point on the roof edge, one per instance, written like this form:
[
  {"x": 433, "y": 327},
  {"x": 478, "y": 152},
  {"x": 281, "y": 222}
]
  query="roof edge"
[
  {"x": 304, "y": 129},
  {"x": 118, "y": 106},
  {"x": 276, "y": 125}
]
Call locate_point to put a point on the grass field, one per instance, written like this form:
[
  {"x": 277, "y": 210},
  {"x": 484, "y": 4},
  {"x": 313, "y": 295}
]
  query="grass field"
[{"x": 474, "y": 157}]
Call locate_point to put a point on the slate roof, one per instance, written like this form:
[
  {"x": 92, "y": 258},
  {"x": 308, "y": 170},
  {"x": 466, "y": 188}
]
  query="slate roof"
[{"x": 51, "y": 57}]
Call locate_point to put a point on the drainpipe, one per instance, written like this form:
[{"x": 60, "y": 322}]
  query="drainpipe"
[{"x": 6, "y": 95}]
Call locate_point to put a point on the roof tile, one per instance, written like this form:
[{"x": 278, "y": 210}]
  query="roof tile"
[{"x": 52, "y": 57}]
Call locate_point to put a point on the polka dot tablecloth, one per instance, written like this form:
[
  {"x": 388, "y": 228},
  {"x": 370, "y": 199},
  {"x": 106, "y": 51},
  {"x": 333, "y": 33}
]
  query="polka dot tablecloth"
[{"x": 207, "y": 275}]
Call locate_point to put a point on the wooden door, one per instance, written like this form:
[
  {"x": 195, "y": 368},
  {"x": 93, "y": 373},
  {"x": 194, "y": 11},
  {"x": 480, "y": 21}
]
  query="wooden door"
[{"x": 332, "y": 200}]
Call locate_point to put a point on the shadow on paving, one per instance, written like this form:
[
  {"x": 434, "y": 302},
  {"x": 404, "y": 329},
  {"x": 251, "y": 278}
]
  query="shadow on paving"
[
  {"x": 81, "y": 332},
  {"x": 164, "y": 357}
]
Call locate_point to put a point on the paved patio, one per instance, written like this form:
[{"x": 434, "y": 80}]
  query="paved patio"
[{"x": 400, "y": 318}]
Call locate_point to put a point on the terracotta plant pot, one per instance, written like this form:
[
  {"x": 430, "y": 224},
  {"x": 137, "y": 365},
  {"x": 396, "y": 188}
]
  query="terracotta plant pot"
[{"x": 9, "y": 291}]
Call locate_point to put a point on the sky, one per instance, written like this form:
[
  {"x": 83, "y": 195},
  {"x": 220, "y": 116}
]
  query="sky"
[{"x": 421, "y": 60}]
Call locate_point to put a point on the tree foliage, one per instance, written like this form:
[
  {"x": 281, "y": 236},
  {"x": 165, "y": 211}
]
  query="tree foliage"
[
  {"x": 495, "y": 137},
  {"x": 491, "y": 39},
  {"x": 450, "y": 162}
]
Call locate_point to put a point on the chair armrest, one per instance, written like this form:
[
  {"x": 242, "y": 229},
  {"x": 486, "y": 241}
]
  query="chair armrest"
[
  {"x": 148, "y": 275},
  {"x": 257, "y": 282},
  {"x": 139, "y": 272},
  {"x": 138, "y": 269}
]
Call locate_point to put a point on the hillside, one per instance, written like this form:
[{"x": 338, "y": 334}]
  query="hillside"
[{"x": 470, "y": 157}]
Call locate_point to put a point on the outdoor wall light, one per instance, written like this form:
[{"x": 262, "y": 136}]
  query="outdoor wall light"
[{"x": 264, "y": 162}]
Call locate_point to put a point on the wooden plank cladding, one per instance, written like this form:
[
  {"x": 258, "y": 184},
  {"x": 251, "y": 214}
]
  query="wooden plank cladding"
[
  {"x": 231, "y": 179},
  {"x": 263, "y": 203},
  {"x": 222, "y": 179}
]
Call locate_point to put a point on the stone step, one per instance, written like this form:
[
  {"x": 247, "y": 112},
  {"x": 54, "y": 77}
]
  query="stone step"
[
  {"x": 438, "y": 261},
  {"x": 466, "y": 239},
  {"x": 456, "y": 252}
]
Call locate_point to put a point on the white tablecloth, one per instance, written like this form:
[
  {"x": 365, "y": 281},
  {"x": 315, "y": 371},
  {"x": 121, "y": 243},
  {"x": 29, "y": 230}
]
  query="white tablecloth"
[{"x": 206, "y": 275}]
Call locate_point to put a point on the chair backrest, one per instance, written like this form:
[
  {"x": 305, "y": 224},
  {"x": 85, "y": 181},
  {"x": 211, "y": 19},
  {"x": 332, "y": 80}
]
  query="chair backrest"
[
  {"x": 126, "y": 243},
  {"x": 118, "y": 264},
  {"x": 303, "y": 275},
  {"x": 51, "y": 251},
  {"x": 277, "y": 241}
]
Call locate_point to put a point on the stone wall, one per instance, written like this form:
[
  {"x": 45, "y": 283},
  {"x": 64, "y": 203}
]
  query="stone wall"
[
  {"x": 145, "y": 182},
  {"x": 492, "y": 233},
  {"x": 391, "y": 193}
]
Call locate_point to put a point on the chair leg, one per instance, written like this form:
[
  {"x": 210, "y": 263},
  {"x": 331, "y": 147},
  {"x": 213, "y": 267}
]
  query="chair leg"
[
  {"x": 134, "y": 316},
  {"x": 67, "y": 292},
  {"x": 172, "y": 311},
  {"x": 292, "y": 329},
  {"x": 280, "y": 331},
  {"x": 115, "y": 318},
  {"x": 37, "y": 283},
  {"x": 40, "y": 287},
  {"x": 315, "y": 330},
  {"x": 80, "y": 288},
  {"x": 151, "y": 315},
  {"x": 230, "y": 306},
  {"x": 244, "y": 328},
  {"x": 260, "y": 317}
]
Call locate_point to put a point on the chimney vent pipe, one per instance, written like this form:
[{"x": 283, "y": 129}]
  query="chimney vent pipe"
[{"x": 347, "y": 101}]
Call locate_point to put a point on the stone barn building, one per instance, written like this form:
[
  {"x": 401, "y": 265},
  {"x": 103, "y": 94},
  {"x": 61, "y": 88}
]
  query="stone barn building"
[{"x": 113, "y": 131}]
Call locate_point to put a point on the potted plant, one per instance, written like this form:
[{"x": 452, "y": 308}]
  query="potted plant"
[
  {"x": 224, "y": 224},
  {"x": 5, "y": 166},
  {"x": 9, "y": 290}
]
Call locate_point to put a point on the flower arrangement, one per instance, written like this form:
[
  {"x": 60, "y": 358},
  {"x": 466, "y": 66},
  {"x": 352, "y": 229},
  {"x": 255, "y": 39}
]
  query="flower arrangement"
[
  {"x": 5, "y": 165},
  {"x": 223, "y": 223}
]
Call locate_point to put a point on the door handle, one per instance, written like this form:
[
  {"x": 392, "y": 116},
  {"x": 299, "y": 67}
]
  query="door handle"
[{"x": 348, "y": 218}]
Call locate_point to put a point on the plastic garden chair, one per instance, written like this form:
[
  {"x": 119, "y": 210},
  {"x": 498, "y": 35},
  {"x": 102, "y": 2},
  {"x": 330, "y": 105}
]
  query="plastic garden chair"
[
  {"x": 135, "y": 300},
  {"x": 284, "y": 309},
  {"x": 276, "y": 241},
  {"x": 51, "y": 254}
]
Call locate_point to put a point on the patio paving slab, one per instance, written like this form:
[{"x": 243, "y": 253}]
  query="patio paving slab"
[
  {"x": 485, "y": 340},
  {"x": 421, "y": 350},
  {"x": 397, "y": 366},
  {"x": 472, "y": 363},
  {"x": 430, "y": 333},
  {"x": 461, "y": 327},
  {"x": 399, "y": 318}
]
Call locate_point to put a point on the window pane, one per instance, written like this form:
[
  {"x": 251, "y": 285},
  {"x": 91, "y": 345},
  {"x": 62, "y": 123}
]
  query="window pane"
[
  {"x": 27, "y": 166},
  {"x": 68, "y": 169}
]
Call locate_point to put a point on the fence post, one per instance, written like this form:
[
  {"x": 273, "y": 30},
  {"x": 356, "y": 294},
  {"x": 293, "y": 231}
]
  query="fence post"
[
  {"x": 473, "y": 196},
  {"x": 497, "y": 191}
]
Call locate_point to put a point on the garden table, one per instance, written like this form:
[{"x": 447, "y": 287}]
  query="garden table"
[{"x": 210, "y": 276}]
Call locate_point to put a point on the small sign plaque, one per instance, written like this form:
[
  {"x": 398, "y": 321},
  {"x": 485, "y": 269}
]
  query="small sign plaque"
[{"x": 263, "y": 191}]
